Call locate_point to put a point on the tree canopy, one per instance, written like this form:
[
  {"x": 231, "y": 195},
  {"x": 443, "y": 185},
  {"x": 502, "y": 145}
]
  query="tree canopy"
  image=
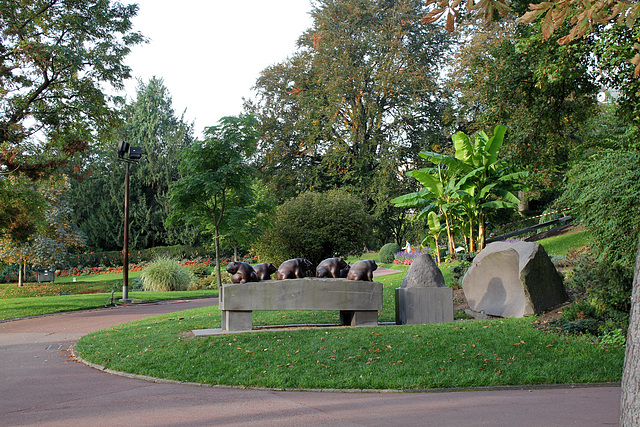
[
  {"x": 150, "y": 122},
  {"x": 362, "y": 87},
  {"x": 56, "y": 56}
]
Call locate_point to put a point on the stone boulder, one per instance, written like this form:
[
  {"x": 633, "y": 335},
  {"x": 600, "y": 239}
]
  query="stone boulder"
[
  {"x": 513, "y": 280},
  {"x": 423, "y": 273}
]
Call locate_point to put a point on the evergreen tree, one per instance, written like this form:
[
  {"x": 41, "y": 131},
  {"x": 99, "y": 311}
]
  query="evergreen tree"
[{"x": 150, "y": 122}]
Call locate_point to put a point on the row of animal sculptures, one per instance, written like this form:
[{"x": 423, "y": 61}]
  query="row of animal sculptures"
[{"x": 297, "y": 268}]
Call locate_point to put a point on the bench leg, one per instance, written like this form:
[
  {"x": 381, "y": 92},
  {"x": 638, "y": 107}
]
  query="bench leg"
[
  {"x": 237, "y": 320},
  {"x": 359, "y": 318}
]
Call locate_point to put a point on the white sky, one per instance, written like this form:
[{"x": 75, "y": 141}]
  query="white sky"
[{"x": 210, "y": 52}]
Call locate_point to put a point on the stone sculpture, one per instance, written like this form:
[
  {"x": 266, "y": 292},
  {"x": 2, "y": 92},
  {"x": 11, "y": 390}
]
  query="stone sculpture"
[
  {"x": 345, "y": 271},
  {"x": 241, "y": 272},
  {"x": 362, "y": 270},
  {"x": 423, "y": 296},
  {"x": 265, "y": 270},
  {"x": 423, "y": 273},
  {"x": 331, "y": 268},
  {"x": 513, "y": 280},
  {"x": 294, "y": 269}
]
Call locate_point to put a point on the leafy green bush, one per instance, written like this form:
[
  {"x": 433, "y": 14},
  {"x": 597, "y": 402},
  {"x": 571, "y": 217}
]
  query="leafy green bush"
[
  {"x": 616, "y": 337},
  {"x": 603, "y": 296},
  {"x": 580, "y": 310},
  {"x": 165, "y": 274},
  {"x": 604, "y": 194},
  {"x": 458, "y": 271},
  {"x": 315, "y": 226},
  {"x": 607, "y": 286},
  {"x": 388, "y": 252}
]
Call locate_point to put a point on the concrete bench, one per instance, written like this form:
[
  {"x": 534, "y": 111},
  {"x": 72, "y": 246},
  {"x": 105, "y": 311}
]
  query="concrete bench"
[{"x": 357, "y": 301}]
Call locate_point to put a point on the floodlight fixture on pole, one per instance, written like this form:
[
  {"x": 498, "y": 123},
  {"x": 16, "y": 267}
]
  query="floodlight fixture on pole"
[{"x": 128, "y": 155}]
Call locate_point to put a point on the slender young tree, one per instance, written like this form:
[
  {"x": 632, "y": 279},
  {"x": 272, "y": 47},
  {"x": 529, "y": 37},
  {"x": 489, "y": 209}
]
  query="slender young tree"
[{"x": 216, "y": 178}]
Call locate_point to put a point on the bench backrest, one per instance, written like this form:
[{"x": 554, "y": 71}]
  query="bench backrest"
[{"x": 302, "y": 294}]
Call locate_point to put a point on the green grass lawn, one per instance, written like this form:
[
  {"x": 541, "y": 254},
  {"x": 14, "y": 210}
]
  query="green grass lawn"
[
  {"x": 561, "y": 245},
  {"x": 458, "y": 354},
  {"x": 98, "y": 277},
  {"x": 34, "y": 299}
]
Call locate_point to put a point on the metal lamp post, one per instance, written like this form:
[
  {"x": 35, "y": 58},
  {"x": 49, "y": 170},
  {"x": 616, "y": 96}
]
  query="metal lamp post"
[{"x": 133, "y": 154}]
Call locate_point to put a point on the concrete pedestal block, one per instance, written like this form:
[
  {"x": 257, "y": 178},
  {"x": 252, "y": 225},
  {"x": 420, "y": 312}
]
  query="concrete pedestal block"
[
  {"x": 359, "y": 318},
  {"x": 237, "y": 320},
  {"x": 417, "y": 306}
]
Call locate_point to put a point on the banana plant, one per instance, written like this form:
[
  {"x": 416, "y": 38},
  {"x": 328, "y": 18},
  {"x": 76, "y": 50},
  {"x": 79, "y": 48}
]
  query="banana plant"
[
  {"x": 438, "y": 195},
  {"x": 473, "y": 180},
  {"x": 435, "y": 229}
]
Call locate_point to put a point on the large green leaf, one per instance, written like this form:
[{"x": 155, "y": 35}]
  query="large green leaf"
[
  {"x": 463, "y": 147},
  {"x": 409, "y": 200},
  {"x": 495, "y": 143},
  {"x": 433, "y": 220},
  {"x": 428, "y": 180}
]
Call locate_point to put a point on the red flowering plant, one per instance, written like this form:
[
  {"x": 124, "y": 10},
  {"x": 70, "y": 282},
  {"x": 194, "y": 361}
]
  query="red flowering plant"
[{"x": 406, "y": 258}]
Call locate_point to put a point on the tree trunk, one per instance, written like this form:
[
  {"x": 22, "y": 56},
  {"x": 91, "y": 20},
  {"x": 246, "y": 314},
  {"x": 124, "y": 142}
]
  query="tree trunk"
[
  {"x": 451, "y": 242},
  {"x": 630, "y": 399},
  {"x": 217, "y": 245},
  {"x": 523, "y": 206},
  {"x": 20, "y": 275},
  {"x": 481, "y": 232}
]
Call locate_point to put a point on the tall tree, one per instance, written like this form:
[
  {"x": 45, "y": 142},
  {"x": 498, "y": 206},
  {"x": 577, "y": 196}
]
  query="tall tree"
[
  {"x": 542, "y": 91},
  {"x": 362, "y": 87},
  {"x": 150, "y": 122},
  {"x": 216, "y": 177},
  {"x": 54, "y": 236},
  {"x": 56, "y": 56},
  {"x": 58, "y": 59}
]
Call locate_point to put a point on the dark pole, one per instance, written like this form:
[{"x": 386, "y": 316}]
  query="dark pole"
[{"x": 125, "y": 258}]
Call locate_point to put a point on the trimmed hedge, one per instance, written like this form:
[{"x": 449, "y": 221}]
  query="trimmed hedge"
[{"x": 388, "y": 253}]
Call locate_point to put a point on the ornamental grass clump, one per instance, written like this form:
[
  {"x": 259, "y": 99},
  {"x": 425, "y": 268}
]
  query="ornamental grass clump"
[{"x": 165, "y": 274}]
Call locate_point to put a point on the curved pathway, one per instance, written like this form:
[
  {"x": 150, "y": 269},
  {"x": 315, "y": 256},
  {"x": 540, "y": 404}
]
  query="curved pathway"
[{"x": 40, "y": 383}]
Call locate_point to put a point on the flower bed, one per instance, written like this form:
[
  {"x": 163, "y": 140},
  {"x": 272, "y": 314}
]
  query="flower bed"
[
  {"x": 407, "y": 258},
  {"x": 132, "y": 267},
  {"x": 96, "y": 270}
]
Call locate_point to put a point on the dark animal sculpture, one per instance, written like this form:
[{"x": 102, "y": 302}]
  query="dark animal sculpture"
[
  {"x": 294, "y": 269},
  {"x": 242, "y": 272},
  {"x": 362, "y": 270},
  {"x": 265, "y": 270},
  {"x": 331, "y": 267},
  {"x": 345, "y": 271}
]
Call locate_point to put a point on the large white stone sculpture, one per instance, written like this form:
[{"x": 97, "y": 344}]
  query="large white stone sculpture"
[{"x": 513, "y": 279}]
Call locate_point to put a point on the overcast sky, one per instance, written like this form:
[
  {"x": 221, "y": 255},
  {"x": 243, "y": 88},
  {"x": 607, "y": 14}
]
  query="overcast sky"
[{"x": 210, "y": 52}]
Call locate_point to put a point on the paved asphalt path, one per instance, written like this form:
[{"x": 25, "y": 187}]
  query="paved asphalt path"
[{"x": 41, "y": 384}]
